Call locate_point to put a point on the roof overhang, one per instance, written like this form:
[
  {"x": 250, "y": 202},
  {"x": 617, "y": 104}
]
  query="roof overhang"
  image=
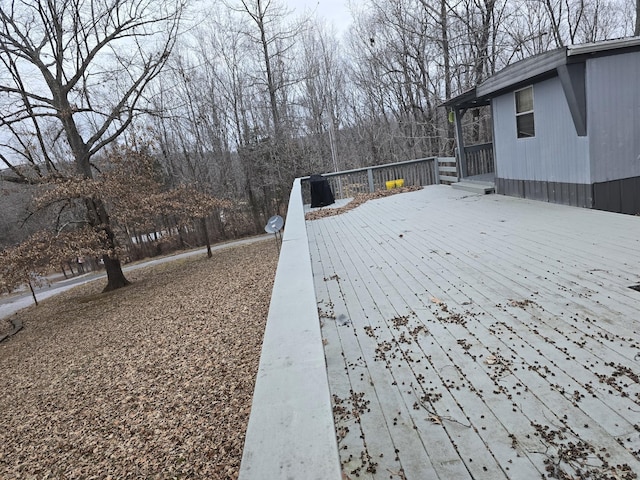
[
  {"x": 523, "y": 72},
  {"x": 537, "y": 68},
  {"x": 465, "y": 100},
  {"x": 605, "y": 47}
]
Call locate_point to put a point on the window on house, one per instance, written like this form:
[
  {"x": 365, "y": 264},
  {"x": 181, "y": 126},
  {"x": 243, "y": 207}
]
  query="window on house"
[{"x": 524, "y": 113}]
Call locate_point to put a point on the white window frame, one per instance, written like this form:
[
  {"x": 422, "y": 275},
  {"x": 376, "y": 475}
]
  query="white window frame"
[{"x": 527, "y": 112}]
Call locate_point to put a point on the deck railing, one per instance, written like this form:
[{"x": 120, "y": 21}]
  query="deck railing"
[
  {"x": 348, "y": 183},
  {"x": 479, "y": 159},
  {"x": 291, "y": 434}
]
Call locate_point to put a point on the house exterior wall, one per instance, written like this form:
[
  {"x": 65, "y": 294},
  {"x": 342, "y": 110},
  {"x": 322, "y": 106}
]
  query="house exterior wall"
[
  {"x": 613, "y": 116},
  {"x": 600, "y": 169},
  {"x": 556, "y": 154}
]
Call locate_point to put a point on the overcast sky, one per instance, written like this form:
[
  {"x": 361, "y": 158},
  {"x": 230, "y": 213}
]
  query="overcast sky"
[{"x": 336, "y": 12}]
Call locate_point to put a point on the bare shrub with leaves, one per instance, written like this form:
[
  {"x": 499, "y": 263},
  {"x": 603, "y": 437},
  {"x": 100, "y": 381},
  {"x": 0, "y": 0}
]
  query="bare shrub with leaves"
[
  {"x": 29, "y": 262},
  {"x": 133, "y": 190}
]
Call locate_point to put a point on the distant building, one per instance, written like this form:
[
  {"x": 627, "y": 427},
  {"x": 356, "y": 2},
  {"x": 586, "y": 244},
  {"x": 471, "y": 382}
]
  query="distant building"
[{"x": 566, "y": 126}]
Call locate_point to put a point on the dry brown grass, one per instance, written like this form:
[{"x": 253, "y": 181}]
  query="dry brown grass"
[{"x": 151, "y": 381}]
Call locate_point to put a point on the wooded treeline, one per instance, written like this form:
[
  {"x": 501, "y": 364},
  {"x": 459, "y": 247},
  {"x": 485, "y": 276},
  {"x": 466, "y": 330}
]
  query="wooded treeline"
[
  {"x": 254, "y": 97},
  {"x": 236, "y": 98}
]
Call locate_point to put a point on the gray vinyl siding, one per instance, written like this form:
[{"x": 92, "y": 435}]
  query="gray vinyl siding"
[
  {"x": 555, "y": 154},
  {"x": 613, "y": 116}
]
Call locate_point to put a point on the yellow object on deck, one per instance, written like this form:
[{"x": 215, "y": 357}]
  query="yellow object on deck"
[{"x": 398, "y": 183}]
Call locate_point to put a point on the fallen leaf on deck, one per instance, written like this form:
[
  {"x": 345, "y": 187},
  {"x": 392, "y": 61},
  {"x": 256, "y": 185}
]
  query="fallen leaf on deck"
[
  {"x": 358, "y": 200},
  {"x": 491, "y": 360},
  {"x": 435, "y": 419}
]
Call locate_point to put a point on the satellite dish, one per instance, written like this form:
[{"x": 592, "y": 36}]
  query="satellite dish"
[{"x": 274, "y": 224}]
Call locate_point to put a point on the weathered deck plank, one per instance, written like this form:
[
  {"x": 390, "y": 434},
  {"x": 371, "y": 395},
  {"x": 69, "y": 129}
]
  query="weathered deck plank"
[
  {"x": 494, "y": 337},
  {"x": 382, "y": 457},
  {"x": 447, "y": 380}
]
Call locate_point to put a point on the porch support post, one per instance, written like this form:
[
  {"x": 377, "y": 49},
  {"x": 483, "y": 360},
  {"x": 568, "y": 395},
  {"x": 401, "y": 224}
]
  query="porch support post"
[
  {"x": 372, "y": 187},
  {"x": 458, "y": 114}
]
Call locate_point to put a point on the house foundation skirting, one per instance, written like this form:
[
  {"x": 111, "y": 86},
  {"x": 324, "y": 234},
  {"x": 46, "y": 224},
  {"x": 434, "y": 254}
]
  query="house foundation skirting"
[
  {"x": 621, "y": 196},
  {"x": 575, "y": 194}
]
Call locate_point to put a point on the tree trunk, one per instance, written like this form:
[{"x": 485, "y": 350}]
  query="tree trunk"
[
  {"x": 178, "y": 227},
  {"x": 203, "y": 222},
  {"x": 271, "y": 86},
  {"x": 115, "y": 276},
  {"x": 64, "y": 271},
  {"x": 555, "y": 22},
  {"x": 33, "y": 293},
  {"x": 636, "y": 32},
  {"x": 99, "y": 219}
]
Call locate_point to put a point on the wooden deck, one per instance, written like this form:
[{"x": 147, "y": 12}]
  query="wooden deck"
[{"x": 481, "y": 337}]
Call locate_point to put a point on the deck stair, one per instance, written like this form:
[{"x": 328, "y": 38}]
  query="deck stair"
[{"x": 475, "y": 186}]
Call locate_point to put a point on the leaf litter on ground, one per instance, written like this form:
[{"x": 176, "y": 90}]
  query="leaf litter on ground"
[
  {"x": 358, "y": 200},
  {"x": 151, "y": 381}
]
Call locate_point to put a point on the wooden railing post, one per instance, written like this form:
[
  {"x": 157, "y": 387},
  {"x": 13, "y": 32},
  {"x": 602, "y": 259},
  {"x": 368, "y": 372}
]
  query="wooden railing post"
[
  {"x": 372, "y": 187},
  {"x": 462, "y": 161}
]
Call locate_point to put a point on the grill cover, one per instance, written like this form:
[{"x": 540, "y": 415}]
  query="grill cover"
[{"x": 321, "y": 194}]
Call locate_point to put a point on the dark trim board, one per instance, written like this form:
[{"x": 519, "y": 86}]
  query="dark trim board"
[
  {"x": 572, "y": 78},
  {"x": 574, "y": 194},
  {"x": 620, "y": 196}
]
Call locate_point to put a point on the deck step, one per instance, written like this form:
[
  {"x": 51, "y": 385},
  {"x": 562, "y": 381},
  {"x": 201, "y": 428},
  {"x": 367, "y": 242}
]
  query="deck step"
[
  {"x": 448, "y": 179},
  {"x": 475, "y": 187}
]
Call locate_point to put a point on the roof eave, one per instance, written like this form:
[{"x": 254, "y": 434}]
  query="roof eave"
[
  {"x": 606, "y": 46},
  {"x": 537, "y": 68},
  {"x": 523, "y": 72},
  {"x": 467, "y": 99}
]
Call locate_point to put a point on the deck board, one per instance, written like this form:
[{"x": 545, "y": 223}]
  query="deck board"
[
  {"x": 490, "y": 336},
  {"x": 361, "y": 360}
]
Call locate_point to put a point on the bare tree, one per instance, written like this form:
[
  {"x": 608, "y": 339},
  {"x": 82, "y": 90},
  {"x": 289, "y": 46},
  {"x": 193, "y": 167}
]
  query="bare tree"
[
  {"x": 322, "y": 98},
  {"x": 269, "y": 152},
  {"x": 276, "y": 40},
  {"x": 404, "y": 64},
  {"x": 73, "y": 74},
  {"x": 530, "y": 32},
  {"x": 601, "y": 21},
  {"x": 578, "y": 21}
]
